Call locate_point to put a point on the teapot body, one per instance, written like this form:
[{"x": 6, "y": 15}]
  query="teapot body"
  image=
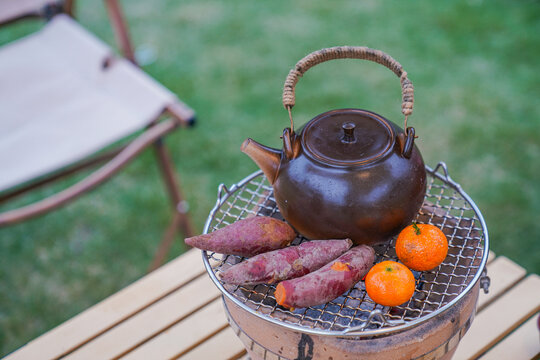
[
  {"x": 368, "y": 202},
  {"x": 350, "y": 173}
]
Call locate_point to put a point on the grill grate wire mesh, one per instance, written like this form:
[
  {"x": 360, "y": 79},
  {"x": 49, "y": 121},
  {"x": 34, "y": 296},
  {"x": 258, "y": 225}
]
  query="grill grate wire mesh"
[{"x": 445, "y": 206}]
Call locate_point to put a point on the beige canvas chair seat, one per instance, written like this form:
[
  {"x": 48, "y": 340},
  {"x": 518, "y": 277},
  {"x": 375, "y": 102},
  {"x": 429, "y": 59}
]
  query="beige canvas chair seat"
[{"x": 63, "y": 96}]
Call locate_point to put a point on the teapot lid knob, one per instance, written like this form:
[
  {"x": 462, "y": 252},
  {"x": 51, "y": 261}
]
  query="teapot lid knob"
[{"x": 348, "y": 133}]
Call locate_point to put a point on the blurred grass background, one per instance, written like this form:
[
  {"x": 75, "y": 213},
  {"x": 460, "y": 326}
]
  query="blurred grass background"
[{"x": 474, "y": 65}]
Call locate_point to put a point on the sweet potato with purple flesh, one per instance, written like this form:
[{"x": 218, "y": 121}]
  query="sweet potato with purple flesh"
[
  {"x": 287, "y": 263},
  {"x": 327, "y": 283},
  {"x": 247, "y": 237}
]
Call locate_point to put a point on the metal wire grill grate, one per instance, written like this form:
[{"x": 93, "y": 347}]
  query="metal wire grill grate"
[{"x": 445, "y": 206}]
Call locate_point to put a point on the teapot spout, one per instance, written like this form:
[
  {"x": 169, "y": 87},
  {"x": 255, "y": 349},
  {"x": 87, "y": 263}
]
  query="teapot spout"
[{"x": 266, "y": 158}]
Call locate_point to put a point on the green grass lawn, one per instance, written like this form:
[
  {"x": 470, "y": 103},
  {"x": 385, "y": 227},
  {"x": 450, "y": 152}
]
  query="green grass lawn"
[{"x": 474, "y": 65}]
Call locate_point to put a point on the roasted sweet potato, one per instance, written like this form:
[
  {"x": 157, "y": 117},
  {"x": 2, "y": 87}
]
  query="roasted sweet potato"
[
  {"x": 287, "y": 263},
  {"x": 247, "y": 237},
  {"x": 327, "y": 283}
]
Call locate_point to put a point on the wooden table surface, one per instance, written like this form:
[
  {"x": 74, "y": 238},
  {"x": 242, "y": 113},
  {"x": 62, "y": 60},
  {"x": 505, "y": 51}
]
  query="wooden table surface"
[{"x": 176, "y": 312}]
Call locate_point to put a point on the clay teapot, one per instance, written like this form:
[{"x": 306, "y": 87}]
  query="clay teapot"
[{"x": 350, "y": 173}]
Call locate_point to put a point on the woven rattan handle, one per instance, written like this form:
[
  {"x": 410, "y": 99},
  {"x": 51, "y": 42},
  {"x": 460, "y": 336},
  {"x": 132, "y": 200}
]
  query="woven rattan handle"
[{"x": 349, "y": 52}]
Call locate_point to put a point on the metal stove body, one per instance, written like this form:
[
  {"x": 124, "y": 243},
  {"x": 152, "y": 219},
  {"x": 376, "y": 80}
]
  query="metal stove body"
[{"x": 429, "y": 326}]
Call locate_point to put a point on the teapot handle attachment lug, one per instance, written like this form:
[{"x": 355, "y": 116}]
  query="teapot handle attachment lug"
[
  {"x": 291, "y": 144},
  {"x": 406, "y": 142}
]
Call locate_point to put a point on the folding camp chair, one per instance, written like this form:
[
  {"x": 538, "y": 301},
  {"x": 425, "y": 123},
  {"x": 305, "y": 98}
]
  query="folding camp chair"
[{"x": 64, "y": 97}]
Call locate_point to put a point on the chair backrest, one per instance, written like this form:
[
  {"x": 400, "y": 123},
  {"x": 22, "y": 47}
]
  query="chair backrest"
[{"x": 12, "y": 10}]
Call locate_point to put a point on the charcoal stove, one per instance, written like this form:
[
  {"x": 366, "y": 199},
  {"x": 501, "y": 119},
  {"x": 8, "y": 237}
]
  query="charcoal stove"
[{"x": 429, "y": 326}]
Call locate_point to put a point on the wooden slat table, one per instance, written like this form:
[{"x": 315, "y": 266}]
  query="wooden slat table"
[
  {"x": 175, "y": 312},
  {"x": 505, "y": 323}
]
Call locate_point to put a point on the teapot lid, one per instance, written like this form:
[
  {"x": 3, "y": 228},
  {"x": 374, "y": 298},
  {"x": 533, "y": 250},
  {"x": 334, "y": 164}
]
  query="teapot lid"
[{"x": 347, "y": 137}]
